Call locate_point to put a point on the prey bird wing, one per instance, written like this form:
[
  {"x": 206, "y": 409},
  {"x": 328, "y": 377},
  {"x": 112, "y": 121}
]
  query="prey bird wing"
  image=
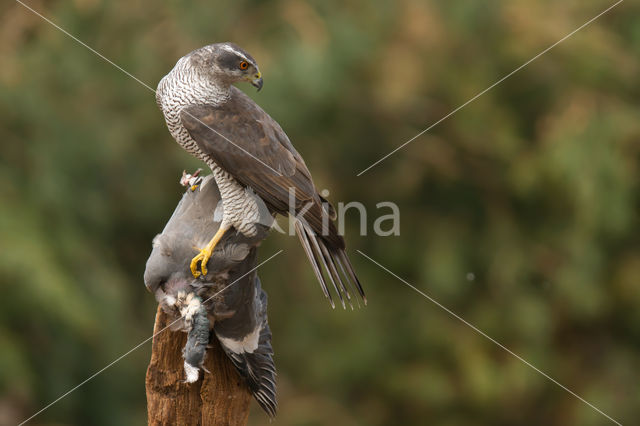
[{"x": 280, "y": 170}]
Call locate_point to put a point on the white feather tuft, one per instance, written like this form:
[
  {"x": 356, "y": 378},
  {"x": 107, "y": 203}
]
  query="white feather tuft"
[
  {"x": 192, "y": 373},
  {"x": 248, "y": 344}
]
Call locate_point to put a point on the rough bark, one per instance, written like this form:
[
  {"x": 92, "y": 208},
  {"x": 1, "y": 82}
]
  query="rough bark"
[{"x": 218, "y": 398}]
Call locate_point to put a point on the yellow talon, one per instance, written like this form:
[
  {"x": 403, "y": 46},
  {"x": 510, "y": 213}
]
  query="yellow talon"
[
  {"x": 205, "y": 254},
  {"x": 202, "y": 257},
  {"x": 193, "y": 187}
]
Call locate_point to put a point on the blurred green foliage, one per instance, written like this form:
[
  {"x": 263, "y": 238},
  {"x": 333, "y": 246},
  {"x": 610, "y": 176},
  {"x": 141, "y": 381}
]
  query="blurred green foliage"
[{"x": 519, "y": 212}]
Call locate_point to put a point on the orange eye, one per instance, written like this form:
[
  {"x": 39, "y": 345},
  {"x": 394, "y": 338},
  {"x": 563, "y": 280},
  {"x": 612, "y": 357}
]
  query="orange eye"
[{"x": 244, "y": 65}]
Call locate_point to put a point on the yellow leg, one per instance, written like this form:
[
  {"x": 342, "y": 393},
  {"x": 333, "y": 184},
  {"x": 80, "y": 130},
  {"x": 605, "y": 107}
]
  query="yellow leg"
[{"x": 205, "y": 254}]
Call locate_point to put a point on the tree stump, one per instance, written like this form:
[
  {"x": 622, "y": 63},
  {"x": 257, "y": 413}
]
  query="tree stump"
[{"x": 217, "y": 398}]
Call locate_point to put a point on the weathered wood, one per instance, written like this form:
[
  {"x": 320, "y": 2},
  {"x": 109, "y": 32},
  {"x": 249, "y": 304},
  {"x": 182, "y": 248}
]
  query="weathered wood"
[{"x": 218, "y": 398}]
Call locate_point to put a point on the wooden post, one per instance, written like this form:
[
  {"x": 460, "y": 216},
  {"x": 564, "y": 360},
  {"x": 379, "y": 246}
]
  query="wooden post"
[{"x": 218, "y": 398}]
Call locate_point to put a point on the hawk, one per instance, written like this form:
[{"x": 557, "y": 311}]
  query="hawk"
[{"x": 251, "y": 157}]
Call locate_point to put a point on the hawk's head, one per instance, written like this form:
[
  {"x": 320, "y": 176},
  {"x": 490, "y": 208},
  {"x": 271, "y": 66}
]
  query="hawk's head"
[{"x": 226, "y": 63}]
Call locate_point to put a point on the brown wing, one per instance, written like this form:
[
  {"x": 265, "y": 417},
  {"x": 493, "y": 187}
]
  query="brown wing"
[{"x": 246, "y": 142}]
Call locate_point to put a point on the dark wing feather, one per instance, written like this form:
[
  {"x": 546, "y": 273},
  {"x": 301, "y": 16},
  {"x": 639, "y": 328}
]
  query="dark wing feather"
[{"x": 246, "y": 142}]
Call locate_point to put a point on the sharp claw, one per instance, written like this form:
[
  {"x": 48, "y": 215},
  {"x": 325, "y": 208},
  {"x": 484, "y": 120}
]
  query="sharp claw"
[
  {"x": 194, "y": 267},
  {"x": 203, "y": 265},
  {"x": 202, "y": 257},
  {"x": 205, "y": 254}
]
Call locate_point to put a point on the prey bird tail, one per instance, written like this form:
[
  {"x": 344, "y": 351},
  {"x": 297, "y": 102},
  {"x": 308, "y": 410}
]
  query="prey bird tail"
[{"x": 330, "y": 263}]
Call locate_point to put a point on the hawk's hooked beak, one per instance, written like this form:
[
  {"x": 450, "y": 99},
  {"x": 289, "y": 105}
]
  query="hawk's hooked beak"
[{"x": 257, "y": 81}]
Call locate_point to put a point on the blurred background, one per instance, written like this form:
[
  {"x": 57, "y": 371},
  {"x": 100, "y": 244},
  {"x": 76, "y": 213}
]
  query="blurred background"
[{"x": 519, "y": 212}]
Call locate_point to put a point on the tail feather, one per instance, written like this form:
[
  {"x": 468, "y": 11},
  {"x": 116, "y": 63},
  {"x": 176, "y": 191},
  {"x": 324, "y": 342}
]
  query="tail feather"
[
  {"x": 257, "y": 368},
  {"x": 335, "y": 276},
  {"x": 349, "y": 282},
  {"x": 321, "y": 251},
  {"x": 352, "y": 274},
  {"x": 304, "y": 240},
  {"x": 258, "y": 372}
]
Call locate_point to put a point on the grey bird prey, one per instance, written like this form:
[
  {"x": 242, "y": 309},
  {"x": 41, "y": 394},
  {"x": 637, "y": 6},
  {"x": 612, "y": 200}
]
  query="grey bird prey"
[
  {"x": 229, "y": 300},
  {"x": 249, "y": 154}
]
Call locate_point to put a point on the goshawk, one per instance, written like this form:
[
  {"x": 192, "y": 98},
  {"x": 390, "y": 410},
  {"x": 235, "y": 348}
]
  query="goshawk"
[{"x": 249, "y": 154}]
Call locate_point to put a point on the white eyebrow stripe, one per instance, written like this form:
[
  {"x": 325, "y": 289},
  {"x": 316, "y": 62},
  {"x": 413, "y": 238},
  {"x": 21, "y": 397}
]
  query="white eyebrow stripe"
[{"x": 237, "y": 52}]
